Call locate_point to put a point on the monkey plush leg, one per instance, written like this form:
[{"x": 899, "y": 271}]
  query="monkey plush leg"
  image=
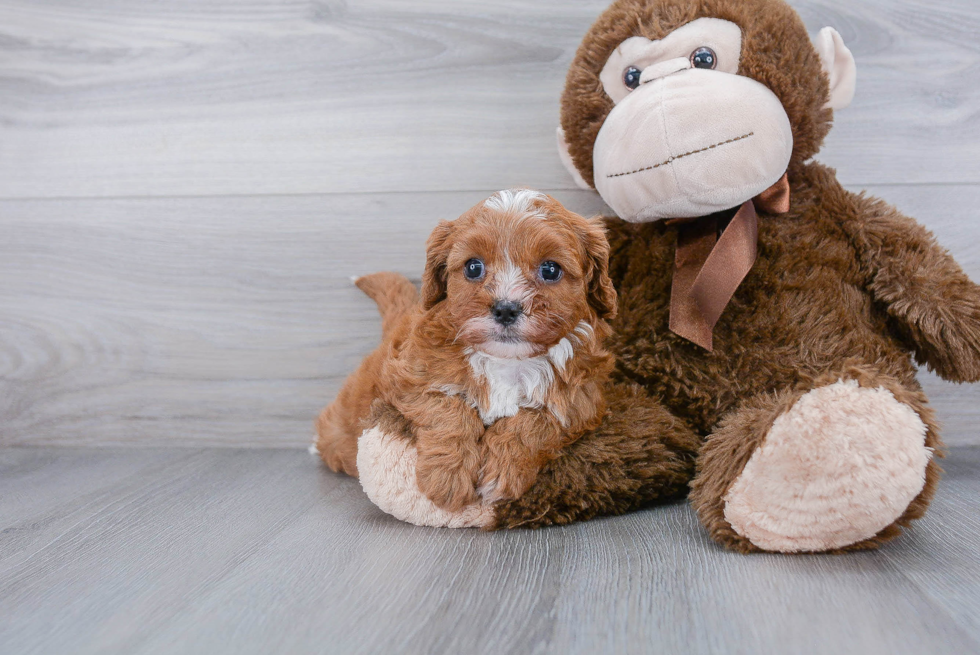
[
  {"x": 841, "y": 465},
  {"x": 341, "y": 423},
  {"x": 639, "y": 455}
]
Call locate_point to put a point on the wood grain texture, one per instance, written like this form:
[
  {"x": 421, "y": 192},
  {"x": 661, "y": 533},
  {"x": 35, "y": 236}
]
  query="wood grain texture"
[
  {"x": 113, "y": 98},
  {"x": 50, "y": 493},
  {"x": 953, "y": 581},
  {"x": 246, "y": 551},
  {"x": 228, "y": 319},
  {"x": 210, "y": 321},
  {"x": 185, "y": 188}
]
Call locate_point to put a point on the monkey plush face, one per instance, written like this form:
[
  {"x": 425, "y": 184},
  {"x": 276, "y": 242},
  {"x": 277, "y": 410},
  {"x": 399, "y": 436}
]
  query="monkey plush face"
[
  {"x": 678, "y": 108},
  {"x": 687, "y": 136}
]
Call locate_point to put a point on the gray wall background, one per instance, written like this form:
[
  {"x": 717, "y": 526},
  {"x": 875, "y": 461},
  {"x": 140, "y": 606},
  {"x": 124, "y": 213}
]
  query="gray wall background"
[{"x": 185, "y": 187}]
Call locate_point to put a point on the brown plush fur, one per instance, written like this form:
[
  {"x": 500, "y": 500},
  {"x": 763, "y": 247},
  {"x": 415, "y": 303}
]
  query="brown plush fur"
[
  {"x": 641, "y": 454},
  {"x": 422, "y": 368},
  {"x": 819, "y": 301},
  {"x": 844, "y": 287}
]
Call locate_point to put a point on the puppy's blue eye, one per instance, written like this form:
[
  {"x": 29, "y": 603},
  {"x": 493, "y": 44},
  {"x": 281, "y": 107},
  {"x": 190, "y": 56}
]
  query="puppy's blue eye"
[
  {"x": 473, "y": 269},
  {"x": 631, "y": 77},
  {"x": 550, "y": 271}
]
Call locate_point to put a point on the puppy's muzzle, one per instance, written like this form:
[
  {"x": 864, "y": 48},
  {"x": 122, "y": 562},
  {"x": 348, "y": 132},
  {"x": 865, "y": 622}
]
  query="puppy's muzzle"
[{"x": 506, "y": 312}]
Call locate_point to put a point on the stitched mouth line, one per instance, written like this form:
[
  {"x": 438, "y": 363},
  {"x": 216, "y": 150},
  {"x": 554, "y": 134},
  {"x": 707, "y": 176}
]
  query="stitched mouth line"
[{"x": 686, "y": 154}]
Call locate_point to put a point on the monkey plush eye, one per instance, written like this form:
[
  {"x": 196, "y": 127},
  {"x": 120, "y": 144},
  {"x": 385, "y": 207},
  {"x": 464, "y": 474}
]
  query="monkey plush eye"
[
  {"x": 550, "y": 271},
  {"x": 631, "y": 77},
  {"x": 473, "y": 270},
  {"x": 704, "y": 58}
]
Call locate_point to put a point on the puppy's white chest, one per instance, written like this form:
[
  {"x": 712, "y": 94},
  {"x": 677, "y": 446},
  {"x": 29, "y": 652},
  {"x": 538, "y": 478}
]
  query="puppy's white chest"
[{"x": 511, "y": 384}]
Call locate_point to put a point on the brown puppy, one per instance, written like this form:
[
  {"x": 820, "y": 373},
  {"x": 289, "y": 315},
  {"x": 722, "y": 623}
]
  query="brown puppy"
[{"x": 501, "y": 364}]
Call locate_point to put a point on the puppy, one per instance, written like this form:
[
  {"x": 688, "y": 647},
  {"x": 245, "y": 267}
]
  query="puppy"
[{"x": 501, "y": 363}]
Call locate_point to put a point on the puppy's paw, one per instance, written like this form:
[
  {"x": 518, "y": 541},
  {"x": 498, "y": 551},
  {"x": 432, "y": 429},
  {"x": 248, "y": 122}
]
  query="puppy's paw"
[
  {"x": 452, "y": 489},
  {"x": 505, "y": 480},
  {"x": 488, "y": 491}
]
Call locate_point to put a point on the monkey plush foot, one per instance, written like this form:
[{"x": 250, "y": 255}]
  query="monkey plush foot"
[
  {"x": 837, "y": 467},
  {"x": 386, "y": 463}
]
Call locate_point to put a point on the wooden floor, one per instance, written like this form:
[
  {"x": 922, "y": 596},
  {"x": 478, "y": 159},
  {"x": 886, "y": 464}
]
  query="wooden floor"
[
  {"x": 262, "y": 551},
  {"x": 186, "y": 187}
]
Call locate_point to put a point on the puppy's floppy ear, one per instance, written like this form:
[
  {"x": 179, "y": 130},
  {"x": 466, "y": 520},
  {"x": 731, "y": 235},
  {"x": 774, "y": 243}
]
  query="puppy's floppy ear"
[
  {"x": 436, "y": 253},
  {"x": 602, "y": 294}
]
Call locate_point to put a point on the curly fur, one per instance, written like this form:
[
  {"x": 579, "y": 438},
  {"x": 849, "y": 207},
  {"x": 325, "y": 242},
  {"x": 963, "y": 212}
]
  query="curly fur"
[{"x": 484, "y": 423}]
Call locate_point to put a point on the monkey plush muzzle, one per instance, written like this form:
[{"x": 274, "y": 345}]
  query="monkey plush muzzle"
[{"x": 690, "y": 143}]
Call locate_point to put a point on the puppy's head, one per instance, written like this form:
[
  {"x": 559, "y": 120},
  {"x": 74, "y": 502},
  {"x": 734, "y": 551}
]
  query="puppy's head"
[{"x": 517, "y": 273}]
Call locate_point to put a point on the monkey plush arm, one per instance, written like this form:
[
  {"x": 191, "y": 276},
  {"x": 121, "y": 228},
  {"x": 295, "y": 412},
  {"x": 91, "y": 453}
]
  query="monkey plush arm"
[{"x": 934, "y": 305}]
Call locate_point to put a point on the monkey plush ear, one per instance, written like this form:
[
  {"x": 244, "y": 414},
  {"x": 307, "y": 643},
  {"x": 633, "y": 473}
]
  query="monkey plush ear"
[
  {"x": 434, "y": 278},
  {"x": 566, "y": 159},
  {"x": 838, "y": 63}
]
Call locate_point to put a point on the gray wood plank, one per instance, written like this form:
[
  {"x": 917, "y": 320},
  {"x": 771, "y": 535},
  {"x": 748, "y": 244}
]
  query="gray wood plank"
[
  {"x": 209, "y": 321},
  {"x": 45, "y": 494},
  {"x": 250, "y": 551},
  {"x": 150, "y": 547},
  {"x": 113, "y": 98},
  {"x": 951, "y": 577}
]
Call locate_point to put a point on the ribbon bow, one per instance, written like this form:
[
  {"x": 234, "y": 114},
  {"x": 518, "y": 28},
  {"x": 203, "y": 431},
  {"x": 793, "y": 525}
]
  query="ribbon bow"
[{"x": 708, "y": 268}]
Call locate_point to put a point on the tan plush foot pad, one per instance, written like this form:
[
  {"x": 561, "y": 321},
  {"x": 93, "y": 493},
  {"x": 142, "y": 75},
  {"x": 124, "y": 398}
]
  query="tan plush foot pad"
[
  {"x": 837, "y": 468},
  {"x": 386, "y": 466}
]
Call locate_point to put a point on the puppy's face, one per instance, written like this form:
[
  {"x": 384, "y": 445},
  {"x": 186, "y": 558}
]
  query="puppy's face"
[{"x": 517, "y": 273}]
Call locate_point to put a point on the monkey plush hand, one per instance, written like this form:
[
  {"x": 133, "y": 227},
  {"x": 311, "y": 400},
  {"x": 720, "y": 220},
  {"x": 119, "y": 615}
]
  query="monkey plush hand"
[{"x": 769, "y": 320}]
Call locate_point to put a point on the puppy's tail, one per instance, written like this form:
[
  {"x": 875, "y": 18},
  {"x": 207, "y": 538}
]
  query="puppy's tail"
[{"x": 393, "y": 292}]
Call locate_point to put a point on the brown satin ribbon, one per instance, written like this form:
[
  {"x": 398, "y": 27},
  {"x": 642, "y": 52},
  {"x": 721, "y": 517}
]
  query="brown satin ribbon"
[{"x": 709, "y": 268}]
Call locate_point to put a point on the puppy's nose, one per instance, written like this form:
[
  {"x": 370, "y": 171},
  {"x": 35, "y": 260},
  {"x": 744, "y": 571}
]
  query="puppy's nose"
[{"x": 506, "y": 312}]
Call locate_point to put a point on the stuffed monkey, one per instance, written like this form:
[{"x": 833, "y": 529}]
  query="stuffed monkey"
[{"x": 769, "y": 320}]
